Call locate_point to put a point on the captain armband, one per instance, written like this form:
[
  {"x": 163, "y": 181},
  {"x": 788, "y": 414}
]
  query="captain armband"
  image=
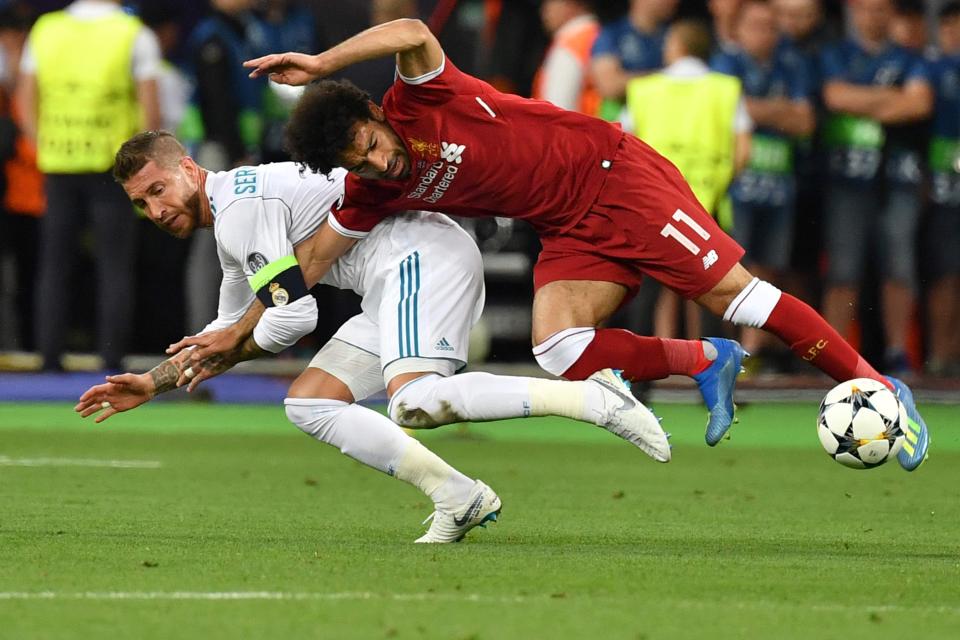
[{"x": 279, "y": 283}]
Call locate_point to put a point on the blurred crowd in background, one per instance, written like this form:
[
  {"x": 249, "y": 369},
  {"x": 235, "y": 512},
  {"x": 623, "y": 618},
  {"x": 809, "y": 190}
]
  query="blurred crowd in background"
[{"x": 824, "y": 136}]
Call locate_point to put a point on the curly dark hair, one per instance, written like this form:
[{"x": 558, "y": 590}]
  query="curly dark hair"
[{"x": 321, "y": 125}]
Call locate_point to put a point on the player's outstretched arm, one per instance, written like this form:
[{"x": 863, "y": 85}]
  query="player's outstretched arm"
[
  {"x": 418, "y": 52},
  {"x": 129, "y": 390}
]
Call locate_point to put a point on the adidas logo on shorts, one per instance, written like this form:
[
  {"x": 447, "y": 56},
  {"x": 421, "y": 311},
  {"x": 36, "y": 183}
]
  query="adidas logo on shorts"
[{"x": 443, "y": 345}]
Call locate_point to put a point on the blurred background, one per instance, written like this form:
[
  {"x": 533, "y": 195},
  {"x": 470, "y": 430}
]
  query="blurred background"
[{"x": 844, "y": 189}]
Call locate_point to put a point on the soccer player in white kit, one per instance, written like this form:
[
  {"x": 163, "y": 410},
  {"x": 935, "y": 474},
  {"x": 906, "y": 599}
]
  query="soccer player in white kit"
[{"x": 421, "y": 279}]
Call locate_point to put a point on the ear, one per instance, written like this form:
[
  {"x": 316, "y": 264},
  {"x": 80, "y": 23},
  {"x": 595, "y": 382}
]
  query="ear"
[
  {"x": 189, "y": 166},
  {"x": 376, "y": 112}
]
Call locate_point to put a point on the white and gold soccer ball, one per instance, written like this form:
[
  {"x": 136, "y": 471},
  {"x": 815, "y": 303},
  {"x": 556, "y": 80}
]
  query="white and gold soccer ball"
[{"x": 860, "y": 423}]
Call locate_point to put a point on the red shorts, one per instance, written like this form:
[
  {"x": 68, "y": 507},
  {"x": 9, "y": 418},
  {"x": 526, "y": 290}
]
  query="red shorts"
[{"x": 645, "y": 220}]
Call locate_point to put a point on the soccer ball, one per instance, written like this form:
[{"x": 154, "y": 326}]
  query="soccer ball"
[{"x": 860, "y": 423}]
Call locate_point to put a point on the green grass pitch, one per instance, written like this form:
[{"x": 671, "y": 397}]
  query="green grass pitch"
[{"x": 236, "y": 525}]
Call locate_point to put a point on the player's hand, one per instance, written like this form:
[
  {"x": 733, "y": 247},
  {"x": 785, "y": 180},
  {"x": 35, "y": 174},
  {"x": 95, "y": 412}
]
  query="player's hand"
[
  {"x": 120, "y": 393},
  {"x": 196, "y": 371},
  {"x": 286, "y": 68},
  {"x": 218, "y": 342}
]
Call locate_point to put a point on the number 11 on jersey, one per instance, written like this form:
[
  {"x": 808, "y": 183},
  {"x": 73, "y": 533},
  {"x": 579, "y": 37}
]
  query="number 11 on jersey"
[{"x": 670, "y": 231}]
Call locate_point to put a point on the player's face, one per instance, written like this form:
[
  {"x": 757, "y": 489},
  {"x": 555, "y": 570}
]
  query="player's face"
[
  {"x": 377, "y": 152},
  {"x": 723, "y": 9},
  {"x": 871, "y": 18},
  {"x": 553, "y": 13},
  {"x": 757, "y": 30},
  {"x": 949, "y": 32},
  {"x": 797, "y": 18},
  {"x": 168, "y": 196},
  {"x": 909, "y": 31}
]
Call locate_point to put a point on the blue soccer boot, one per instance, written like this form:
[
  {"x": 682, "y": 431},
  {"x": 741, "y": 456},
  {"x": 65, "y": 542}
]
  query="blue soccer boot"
[{"x": 717, "y": 383}]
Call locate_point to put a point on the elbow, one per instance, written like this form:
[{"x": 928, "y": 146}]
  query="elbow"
[{"x": 415, "y": 30}]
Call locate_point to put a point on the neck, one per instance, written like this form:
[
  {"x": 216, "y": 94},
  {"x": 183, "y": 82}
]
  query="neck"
[
  {"x": 206, "y": 215},
  {"x": 872, "y": 44}
]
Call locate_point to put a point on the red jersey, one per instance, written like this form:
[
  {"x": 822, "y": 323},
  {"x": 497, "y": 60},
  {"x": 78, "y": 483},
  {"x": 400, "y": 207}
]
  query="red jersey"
[{"x": 477, "y": 152}]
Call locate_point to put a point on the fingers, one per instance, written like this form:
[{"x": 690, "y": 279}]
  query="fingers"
[
  {"x": 185, "y": 376},
  {"x": 122, "y": 379},
  {"x": 256, "y": 62},
  {"x": 109, "y": 411},
  {"x": 187, "y": 341},
  {"x": 203, "y": 374},
  {"x": 92, "y": 395}
]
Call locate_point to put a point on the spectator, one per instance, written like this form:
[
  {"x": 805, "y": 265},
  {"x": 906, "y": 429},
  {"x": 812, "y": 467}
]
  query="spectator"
[
  {"x": 873, "y": 188},
  {"x": 803, "y": 34},
  {"x": 161, "y": 259},
  {"x": 628, "y": 47},
  {"x": 764, "y": 194},
  {"x": 174, "y": 85},
  {"x": 23, "y": 199},
  {"x": 909, "y": 25},
  {"x": 224, "y": 125},
  {"x": 724, "y": 15},
  {"x": 942, "y": 253},
  {"x": 80, "y": 108},
  {"x": 564, "y": 78},
  {"x": 698, "y": 120},
  {"x": 288, "y": 26}
]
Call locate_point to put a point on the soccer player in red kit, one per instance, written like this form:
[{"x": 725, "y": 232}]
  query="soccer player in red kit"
[{"x": 606, "y": 206}]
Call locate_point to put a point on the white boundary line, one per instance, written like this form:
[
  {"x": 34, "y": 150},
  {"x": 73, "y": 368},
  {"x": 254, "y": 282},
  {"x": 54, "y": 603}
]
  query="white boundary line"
[
  {"x": 254, "y": 595},
  {"x": 6, "y": 461},
  {"x": 449, "y": 597}
]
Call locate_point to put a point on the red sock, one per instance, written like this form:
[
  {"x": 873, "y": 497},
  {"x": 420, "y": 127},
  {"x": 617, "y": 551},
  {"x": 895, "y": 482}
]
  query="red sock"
[
  {"x": 811, "y": 338},
  {"x": 639, "y": 357}
]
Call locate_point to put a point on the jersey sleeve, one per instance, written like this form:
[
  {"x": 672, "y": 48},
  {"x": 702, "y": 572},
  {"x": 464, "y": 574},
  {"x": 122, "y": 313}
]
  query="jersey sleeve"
[
  {"x": 253, "y": 233},
  {"x": 235, "y": 294},
  {"x": 434, "y": 87},
  {"x": 356, "y": 214}
]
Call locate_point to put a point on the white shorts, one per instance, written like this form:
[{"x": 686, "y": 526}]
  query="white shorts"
[{"x": 422, "y": 288}]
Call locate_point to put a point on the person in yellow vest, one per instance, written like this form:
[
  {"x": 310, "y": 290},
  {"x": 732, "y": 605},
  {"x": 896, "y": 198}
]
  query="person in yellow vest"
[
  {"x": 87, "y": 83},
  {"x": 698, "y": 120},
  {"x": 564, "y": 77}
]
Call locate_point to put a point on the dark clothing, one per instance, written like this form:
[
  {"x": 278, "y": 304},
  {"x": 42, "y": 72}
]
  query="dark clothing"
[
  {"x": 73, "y": 201},
  {"x": 228, "y": 101},
  {"x": 19, "y": 237}
]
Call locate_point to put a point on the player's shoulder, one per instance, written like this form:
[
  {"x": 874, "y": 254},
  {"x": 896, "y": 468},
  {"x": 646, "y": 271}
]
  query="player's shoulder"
[{"x": 240, "y": 183}]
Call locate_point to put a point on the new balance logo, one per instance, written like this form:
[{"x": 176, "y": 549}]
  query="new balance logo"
[
  {"x": 443, "y": 345},
  {"x": 710, "y": 259},
  {"x": 452, "y": 152}
]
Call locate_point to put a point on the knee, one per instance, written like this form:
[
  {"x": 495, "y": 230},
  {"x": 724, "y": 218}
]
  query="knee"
[
  {"x": 418, "y": 405},
  {"x": 313, "y": 416}
]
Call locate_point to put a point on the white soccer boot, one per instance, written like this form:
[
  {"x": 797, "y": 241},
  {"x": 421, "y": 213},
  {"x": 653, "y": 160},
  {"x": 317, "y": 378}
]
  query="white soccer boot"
[
  {"x": 623, "y": 415},
  {"x": 481, "y": 507}
]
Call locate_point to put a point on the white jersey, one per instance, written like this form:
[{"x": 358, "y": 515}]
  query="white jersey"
[{"x": 420, "y": 275}]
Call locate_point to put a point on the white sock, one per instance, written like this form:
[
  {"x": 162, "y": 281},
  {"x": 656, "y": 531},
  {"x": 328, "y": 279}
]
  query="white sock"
[
  {"x": 433, "y": 400},
  {"x": 370, "y": 438}
]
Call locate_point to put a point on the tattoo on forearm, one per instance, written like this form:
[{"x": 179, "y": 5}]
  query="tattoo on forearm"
[
  {"x": 165, "y": 376},
  {"x": 214, "y": 364}
]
